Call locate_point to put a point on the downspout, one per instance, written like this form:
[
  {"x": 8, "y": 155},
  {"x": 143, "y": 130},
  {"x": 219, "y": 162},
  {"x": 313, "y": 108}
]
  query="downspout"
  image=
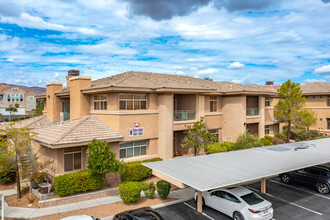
[{"x": 3, "y": 207}]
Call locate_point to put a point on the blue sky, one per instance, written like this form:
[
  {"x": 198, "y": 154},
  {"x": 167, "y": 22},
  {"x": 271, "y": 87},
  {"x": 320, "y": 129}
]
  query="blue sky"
[{"x": 243, "y": 41}]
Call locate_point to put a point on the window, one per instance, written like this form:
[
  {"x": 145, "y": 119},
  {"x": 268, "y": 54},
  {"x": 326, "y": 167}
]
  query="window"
[
  {"x": 231, "y": 198},
  {"x": 213, "y": 103},
  {"x": 132, "y": 149},
  {"x": 100, "y": 102},
  {"x": 132, "y": 101},
  {"x": 215, "y": 132},
  {"x": 1, "y": 98},
  {"x": 267, "y": 130},
  {"x": 267, "y": 101},
  {"x": 21, "y": 98},
  {"x": 31, "y": 100},
  {"x": 8, "y": 97},
  {"x": 314, "y": 171},
  {"x": 17, "y": 97},
  {"x": 13, "y": 97},
  {"x": 72, "y": 159},
  {"x": 328, "y": 123},
  {"x": 328, "y": 101},
  {"x": 252, "y": 198},
  {"x": 321, "y": 119}
]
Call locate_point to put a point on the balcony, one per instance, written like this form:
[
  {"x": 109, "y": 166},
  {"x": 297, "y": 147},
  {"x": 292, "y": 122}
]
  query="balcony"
[
  {"x": 252, "y": 111},
  {"x": 184, "y": 115}
]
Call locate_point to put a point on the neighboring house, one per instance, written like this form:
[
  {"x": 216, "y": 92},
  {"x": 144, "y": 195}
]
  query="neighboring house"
[{"x": 10, "y": 95}]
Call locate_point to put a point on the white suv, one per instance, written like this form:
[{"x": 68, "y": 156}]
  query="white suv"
[{"x": 239, "y": 203}]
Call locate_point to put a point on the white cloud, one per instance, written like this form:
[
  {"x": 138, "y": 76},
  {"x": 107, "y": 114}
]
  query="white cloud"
[
  {"x": 208, "y": 71},
  {"x": 313, "y": 80},
  {"x": 106, "y": 48},
  {"x": 180, "y": 72},
  {"x": 56, "y": 75},
  {"x": 235, "y": 66},
  {"x": 322, "y": 71},
  {"x": 245, "y": 80}
]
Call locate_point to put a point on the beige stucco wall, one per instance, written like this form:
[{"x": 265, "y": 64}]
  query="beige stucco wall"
[
  {"x": 234, "y": 117},
  {"x": 165, "y": 123},
  {"x": 54, "y": 105},
  {"x": 262, "y": 116},
  {"x": 316, "y": 101},
  {"x": 269, "y": 115},
  {"x": 79, "y": 102}
]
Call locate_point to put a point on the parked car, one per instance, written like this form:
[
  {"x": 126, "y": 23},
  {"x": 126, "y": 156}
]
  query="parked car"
[
  {"x": 80, "y": 217},
  {"x": 316, "y": 176},
  {"x": 145, "y": 213},
  {"x": 239, "y": 203}
]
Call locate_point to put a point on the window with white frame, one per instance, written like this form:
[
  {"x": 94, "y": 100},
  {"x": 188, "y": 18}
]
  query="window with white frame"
[
  {"x": 267, "y": 101},
  {"x": 213, "y": 103},
  {"x": 13, "y": 97},
  {"x": 100, "y": 102},
  {"x": 267, "y": 130},
  {"x": 8, "y": 97},
  {"x": 31, "y": 100},
  {"x": 328, "y": 123},
  {"x": 328, "y": 101},
  {"x": 72, "y": 159},
  {"x": 21, "y": 98},
  {"x": 132, "y": 149},
  {"x": 215, "y": 132},
  {"x": 132, "y": 101},
  {"x": 1, "y": 97},
  {"x": 17, "y": 97}
]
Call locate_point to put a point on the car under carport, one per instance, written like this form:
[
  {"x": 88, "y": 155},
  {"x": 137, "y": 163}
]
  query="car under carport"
[{"x": 207, "y": 172}]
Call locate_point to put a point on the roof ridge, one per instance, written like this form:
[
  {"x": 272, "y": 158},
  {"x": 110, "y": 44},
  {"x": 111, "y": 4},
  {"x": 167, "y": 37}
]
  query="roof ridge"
[
  {"x": 40, "y": 117},
  {"x": 322, "y": 85},
  {"x": 128, "y": 75},
  {"x": 73, "y": 127}
]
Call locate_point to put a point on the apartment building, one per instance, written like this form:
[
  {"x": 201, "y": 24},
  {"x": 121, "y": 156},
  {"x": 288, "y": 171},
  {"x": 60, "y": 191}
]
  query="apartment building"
[
  {"x": 11, "y": 95},
  {"x": 144, "y": 115}
]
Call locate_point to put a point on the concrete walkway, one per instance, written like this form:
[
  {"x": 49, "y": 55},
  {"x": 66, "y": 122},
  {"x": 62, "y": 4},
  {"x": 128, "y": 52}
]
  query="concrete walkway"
[{"x": 32, "y": 213}]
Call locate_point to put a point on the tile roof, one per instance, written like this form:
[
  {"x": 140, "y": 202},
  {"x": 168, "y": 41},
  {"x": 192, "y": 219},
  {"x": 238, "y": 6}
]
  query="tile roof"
[
  {"x": 226, "y": 87},
  {"x": 32, "y": 123},
  {"x": 135, "y": 79},
  {"x": 76, "y": 132},
  {"x": 316, "y": 87},
  {"x": 3, "y": 87}
]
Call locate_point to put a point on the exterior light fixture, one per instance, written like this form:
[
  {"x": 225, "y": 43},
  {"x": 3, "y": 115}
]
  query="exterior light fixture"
[{"x": 136, "y": 124}]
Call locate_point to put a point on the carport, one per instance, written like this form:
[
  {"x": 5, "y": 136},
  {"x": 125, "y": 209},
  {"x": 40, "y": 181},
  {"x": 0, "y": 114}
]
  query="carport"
[{"x": 220, "y": 170}]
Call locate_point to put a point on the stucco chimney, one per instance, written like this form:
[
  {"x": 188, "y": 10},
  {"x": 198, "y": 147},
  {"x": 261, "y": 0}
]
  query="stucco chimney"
[
  {"x": 71, "y": 73},
  {"x": 269, "y": 85},
  {"x": 79, "y": 102},
  {"x": 53, "y": 104}
]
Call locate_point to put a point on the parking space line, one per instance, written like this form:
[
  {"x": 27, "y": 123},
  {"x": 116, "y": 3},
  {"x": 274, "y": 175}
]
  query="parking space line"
[
  {"x": 207, "y": 216},
  {"x": 274, "y": 181},
  {"x": 291, "y": 203}
]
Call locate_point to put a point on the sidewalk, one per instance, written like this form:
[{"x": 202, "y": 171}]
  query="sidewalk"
[{"x": 32, "y": 213}]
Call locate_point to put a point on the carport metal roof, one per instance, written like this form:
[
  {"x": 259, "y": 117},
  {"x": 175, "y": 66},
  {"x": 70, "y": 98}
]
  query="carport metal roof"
[{"x": 213, "y": 171}]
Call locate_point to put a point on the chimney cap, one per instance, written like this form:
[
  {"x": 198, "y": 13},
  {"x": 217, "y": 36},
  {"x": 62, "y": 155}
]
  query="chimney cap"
[
  {"x": 73, "y": 72},
  {"x": 269, "y": 83}
]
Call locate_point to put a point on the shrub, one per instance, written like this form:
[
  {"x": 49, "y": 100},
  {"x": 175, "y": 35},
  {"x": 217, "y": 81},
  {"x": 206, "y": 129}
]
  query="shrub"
[
  {"x": 80, "y": 181},
  {"x": 217, "y": 147},
  {"x": 163, "y": 188},
  {"x": 7, "y": 176},
  {"x": 227, "y": 146},
  {"x": 130, "y": 191},
  {"x": 247, "y": 140},
  {"x": 6, "y": 120},
  {"x": 135, "y": 171},
  {"x": 265, "y": 141},
  {"x": 149, "y": 189},
  {"x": 281, "y": 136},
  {"x": 38, "y": 177}
]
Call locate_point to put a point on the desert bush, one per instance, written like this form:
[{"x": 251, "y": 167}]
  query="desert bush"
[
  {"x": 163, "y": 188},
  {"x": 149, "y": 189},
  {"x": 247, "y": 140},
  {"x": 7, "y": 176},
  {"x": 130, "y": 191}
]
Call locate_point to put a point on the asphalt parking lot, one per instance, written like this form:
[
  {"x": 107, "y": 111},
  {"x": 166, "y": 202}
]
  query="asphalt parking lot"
[{"x": 289, "y": 202}]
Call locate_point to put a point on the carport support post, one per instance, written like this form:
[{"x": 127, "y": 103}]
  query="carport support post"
[
  {"x": 263, "y": 185},
  {"x": 199, "y": 201}
]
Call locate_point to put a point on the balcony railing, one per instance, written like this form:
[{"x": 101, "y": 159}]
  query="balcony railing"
[
  {"x": 183, "y": 115},
  {"x": 252, "y": 111}
]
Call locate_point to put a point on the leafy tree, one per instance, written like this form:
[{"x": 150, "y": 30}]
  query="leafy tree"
[
  {"x": 12, "y": 108},
  {"x": 14, "y": 144},
  {"x": 101, "y": 159},
  {"x": 247, "y": 140},
  {"x": 290, "y": 104},
  {"x": 39, "y": 109},
  {"x": 306, "y": 118},
  {"x": 198, "y": 137}
]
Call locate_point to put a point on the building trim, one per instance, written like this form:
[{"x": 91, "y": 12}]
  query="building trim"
[{"x": 124, "y": 112}]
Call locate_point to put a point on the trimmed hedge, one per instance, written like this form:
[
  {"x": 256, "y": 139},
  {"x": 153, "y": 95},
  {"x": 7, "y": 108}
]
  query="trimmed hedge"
[
  {"x": 163, "y": 188},
  {"x": 130, "y": 191},
  {"x": 135, "y": 171},
  {"x": 7, "y": 176},
  {"x": 80, "y": 181}
]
